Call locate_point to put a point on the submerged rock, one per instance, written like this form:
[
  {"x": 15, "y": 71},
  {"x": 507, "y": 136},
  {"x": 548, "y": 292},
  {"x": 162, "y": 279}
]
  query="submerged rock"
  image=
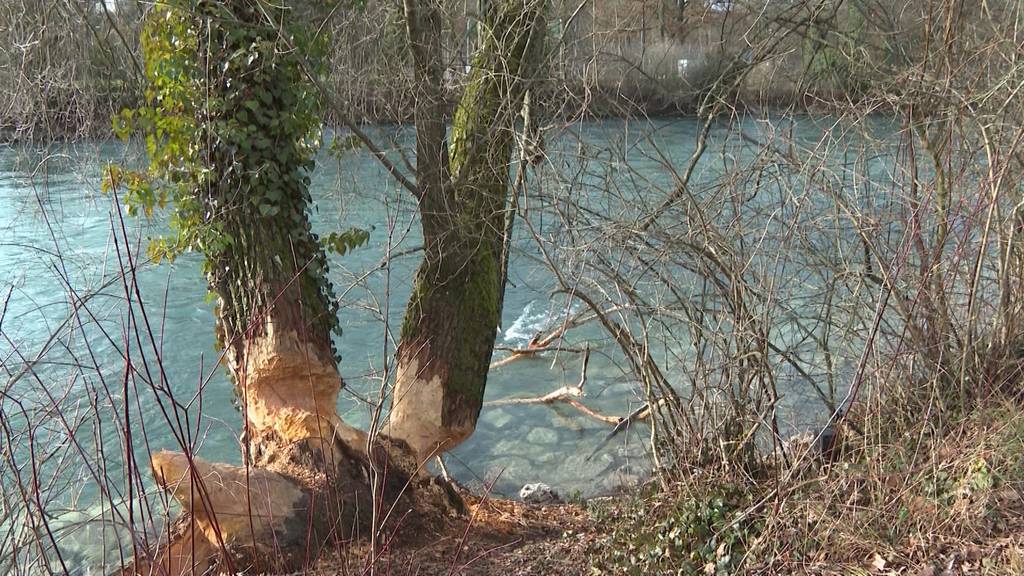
[
  {"x": 620, "y": 481},
  {"x": 542, "y": 436},
  {"x": 499, "y": 418},
  {"x": 539, "y": 493}
]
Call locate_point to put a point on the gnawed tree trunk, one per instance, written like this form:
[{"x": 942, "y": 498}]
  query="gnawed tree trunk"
[
  {"x": 453, "y": 313},
  {"x": 240, "y": 120},
  {"x": 305, "y": 480}
]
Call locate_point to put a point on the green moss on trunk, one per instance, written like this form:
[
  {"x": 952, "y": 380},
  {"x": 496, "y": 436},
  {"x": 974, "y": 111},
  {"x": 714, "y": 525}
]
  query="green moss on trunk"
[{"x": 454, "y": 310}]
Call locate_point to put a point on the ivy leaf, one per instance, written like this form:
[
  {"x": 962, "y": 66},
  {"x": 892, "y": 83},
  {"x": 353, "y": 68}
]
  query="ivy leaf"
[
  {"x": 344, "y": 242},
  {"x": 339, "y": 146},
  {"x": 123, "y": 124}
]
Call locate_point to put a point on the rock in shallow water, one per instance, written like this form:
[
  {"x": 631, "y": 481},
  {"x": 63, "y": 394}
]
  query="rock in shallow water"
[
  {"x": 539, "y": 493},
  {"x": 620, "y": 481},
  {"x": 542, "y": 436},
  {"x": 499, "y": 418}
]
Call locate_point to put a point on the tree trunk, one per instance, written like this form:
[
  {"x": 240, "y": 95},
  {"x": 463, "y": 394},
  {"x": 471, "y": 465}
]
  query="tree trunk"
[
  {"x": 241, "y": 122},
  {"x": 450, "y": 323},
  {"x": 306, "y": 474}
]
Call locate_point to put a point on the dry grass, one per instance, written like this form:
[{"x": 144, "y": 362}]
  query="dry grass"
[
  {"x": 900, "y": 499},
  {"x": 903, "y": 498}
]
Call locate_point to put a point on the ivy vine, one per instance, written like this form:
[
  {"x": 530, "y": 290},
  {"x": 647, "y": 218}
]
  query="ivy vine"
[{"x": 231, "y": 124}]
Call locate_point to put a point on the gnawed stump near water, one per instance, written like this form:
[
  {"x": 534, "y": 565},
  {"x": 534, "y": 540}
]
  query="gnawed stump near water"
[{"x": 255, "y": 519}]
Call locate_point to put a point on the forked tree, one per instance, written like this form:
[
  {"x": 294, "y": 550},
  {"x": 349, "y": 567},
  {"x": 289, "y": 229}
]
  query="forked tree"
[
  {"x": 230, "y": 121},
  {"x": 463, "y": 189}
]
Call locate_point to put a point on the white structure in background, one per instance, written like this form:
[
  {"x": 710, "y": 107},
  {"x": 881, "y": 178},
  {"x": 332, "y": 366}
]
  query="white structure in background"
[
  {"x": 681, "y": 65},
  {"x": 718, "y": 5}
]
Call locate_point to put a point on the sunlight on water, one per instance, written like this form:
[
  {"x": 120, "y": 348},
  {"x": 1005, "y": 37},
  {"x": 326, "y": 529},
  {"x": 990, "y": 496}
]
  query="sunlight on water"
[{"x": 58, "y": 249}]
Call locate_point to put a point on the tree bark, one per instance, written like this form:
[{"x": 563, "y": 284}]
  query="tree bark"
[
  {"x": 305, "y": 480},
  {"x": 453, "y": 313},
  {"x": 306, "y": 477}
]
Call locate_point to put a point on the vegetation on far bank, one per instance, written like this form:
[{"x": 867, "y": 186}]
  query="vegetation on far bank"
[{"x": 67, "y": 70}]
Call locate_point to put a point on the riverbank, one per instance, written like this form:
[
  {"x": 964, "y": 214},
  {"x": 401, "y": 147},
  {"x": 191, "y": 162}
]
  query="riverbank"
[
  {"x": 919, "y": 501},
  {"x": 665, "y": 99}
]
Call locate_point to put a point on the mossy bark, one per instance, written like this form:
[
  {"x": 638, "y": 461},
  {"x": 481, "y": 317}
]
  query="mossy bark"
[
  {"x": 453, "y": 313},
  {"x": 306, "y": 476}
]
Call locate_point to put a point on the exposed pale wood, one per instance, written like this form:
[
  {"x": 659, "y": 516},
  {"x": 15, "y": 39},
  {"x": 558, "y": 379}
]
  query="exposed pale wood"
[
  {"x": 229, "y": 503},
  {"x": 188, "y": 554},
  {"x": 226, "y": 508}
]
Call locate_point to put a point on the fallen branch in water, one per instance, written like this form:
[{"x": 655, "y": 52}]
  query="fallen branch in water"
[
  {"x": 641, "y": 413},
  {"x": 565, "y": 394},
  {"x": 514, "y": 350},
  {"x": 542, "y": 342},
  {"x": 569, "y": 394}
]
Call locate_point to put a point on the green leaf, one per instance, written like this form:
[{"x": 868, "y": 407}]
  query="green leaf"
[
  {"x": 344, "y": 242},
  {"x": 339, "y": 146}
]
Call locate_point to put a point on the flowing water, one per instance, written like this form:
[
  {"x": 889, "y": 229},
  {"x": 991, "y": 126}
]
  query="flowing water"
[{"x": 57, "y": 245}]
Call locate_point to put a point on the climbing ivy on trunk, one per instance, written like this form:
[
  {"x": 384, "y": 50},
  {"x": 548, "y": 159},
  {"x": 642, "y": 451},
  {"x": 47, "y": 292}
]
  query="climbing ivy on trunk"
[{"x": 231, "y": 125}]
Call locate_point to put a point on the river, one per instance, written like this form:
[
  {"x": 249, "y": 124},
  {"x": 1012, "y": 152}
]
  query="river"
[{"x": 57, "y": 245}]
